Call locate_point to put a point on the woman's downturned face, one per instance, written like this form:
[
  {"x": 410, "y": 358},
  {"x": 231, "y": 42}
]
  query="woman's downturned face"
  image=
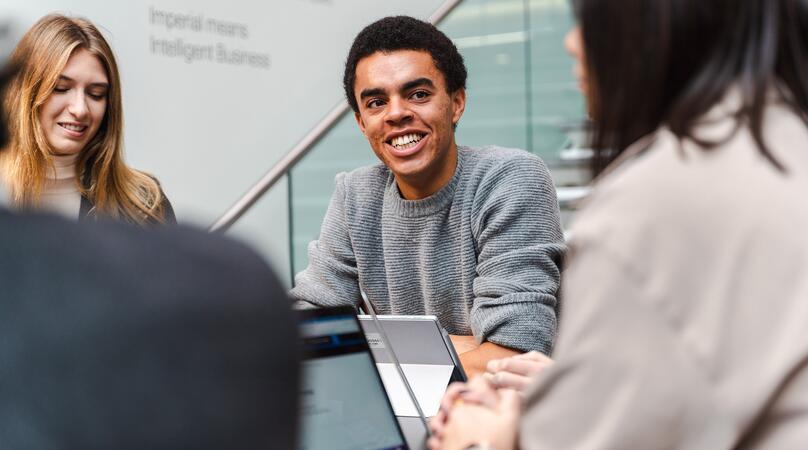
[{"x": 74, "y": 111}]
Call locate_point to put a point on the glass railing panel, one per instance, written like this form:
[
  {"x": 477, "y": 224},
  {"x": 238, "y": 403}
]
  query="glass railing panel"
[
  {"x": 557, "y": 105},
  {"x": 492, "y": 39},
  {"x": 311, "y": 182}
]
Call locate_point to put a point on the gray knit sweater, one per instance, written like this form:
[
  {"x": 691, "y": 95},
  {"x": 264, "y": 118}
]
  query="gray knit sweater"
[{"x": 482, "y": 254}]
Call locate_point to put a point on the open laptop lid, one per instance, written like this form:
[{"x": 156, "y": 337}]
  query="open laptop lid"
[{"x": 344, "y": 404}]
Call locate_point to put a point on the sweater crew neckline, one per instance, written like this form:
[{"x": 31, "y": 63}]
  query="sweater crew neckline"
[
  {"x": 64, "y": 167},
  {"x": 425, "y": 206}
]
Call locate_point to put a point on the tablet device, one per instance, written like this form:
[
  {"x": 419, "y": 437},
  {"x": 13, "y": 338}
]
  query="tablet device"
[{"x": 415, "y": 339}]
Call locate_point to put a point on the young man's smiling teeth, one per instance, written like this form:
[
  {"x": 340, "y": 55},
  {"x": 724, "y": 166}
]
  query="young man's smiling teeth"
[
  {"x": 406, "y": 141},
  {"x": 72, "y": 126}
]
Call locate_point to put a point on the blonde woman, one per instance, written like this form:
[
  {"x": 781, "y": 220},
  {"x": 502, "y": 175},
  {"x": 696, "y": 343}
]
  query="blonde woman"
[{"x": 65, "y": 153}]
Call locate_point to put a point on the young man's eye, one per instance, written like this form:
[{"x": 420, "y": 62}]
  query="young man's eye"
[
  {"x": 375, "y": 103},
  {"x": 419, "y": 95}
]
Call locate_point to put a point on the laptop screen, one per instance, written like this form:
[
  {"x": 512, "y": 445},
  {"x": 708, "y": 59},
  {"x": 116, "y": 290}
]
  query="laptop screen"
[{"x": 343, "y": 402}]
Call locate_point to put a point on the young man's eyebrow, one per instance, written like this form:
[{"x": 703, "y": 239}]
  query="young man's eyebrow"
[
  {"x": 417, "y": 83},
  {"x": 371, "y": 92},
  {"x": 423, "y": 81}
]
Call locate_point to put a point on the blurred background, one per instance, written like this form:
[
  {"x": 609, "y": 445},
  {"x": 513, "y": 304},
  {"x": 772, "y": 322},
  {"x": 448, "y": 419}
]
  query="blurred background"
[{"x": 209, "y": 128}]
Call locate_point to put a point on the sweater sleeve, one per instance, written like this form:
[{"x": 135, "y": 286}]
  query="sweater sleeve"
[
  {"x": 520, "y": 246},
  {"x": 331, "y": 278}
]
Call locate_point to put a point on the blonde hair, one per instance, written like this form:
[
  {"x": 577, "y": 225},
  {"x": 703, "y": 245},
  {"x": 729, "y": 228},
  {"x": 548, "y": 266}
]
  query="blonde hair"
[{"x": 115, "y": 190}]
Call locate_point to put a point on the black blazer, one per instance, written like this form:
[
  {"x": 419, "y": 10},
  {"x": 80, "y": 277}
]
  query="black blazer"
[
  {"x": 113, "y": 336},
  {"x": 86, "y": 206}
]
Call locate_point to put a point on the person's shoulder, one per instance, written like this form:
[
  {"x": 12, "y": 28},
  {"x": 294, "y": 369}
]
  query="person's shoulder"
[
  {"x": 363, "y": 185},
  {"x": 637, "y": 166},
  {"x": 157, "y": 199},
  {"x": 179, "y": 258},
  {"x": 506, "y": 162},
  {"x": 494, "y": 154},
  {"x": 218, "y": 265},
  {"x": 204, "y": 251},
  {"x": 640, "y": 186},
  {"x": 498, "y": 169},
  {"x": 362, "y": 177},
  {"x": 666, "y": 186}
]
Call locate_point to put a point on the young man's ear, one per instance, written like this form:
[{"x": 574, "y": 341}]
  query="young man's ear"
[{"x": 458, "y": 105}]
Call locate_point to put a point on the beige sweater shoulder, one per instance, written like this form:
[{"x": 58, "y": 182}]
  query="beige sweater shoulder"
[{"x": 686, "y": 300}]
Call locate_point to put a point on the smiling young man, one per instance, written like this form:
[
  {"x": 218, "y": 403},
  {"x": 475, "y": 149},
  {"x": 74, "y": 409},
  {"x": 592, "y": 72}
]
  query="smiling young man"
[{"x": 470, "y": 235}]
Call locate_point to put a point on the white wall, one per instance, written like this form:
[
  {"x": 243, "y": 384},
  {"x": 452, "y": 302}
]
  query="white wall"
[{"x": 209, "y": 129}]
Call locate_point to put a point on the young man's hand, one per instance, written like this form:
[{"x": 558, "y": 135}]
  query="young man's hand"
[{"x": 516, "y": 372}]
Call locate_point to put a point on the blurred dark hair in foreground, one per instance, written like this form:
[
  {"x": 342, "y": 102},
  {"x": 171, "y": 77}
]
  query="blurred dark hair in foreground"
[{"x": 666, "y": 63}]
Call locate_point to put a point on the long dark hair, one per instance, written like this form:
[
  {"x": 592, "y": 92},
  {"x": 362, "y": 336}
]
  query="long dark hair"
[{"x": 667, "y": 62}]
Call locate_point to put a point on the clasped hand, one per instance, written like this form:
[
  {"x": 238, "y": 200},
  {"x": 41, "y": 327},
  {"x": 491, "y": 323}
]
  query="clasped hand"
[{"x": 486, "y": 410}]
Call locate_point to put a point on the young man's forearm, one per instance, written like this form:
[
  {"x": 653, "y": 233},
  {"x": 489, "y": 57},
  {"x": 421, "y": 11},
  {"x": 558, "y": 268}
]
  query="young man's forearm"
[{"x": 474, "y": 361}]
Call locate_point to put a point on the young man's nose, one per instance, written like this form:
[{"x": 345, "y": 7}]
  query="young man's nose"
[
  {"x": 397, "y": 111},
  {"x": 77, "y": 106}
]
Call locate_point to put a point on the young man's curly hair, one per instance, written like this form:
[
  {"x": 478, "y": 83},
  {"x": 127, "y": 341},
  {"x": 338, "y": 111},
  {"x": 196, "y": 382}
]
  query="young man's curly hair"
[{"x": 404, "y": 33}]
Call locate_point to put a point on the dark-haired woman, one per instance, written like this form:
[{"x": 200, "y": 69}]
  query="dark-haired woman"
[{"x": 686, "y": 294}]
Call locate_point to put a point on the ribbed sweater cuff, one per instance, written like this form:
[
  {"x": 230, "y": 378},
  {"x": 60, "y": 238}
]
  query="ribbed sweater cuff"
[{"x": 523, "y": 326}]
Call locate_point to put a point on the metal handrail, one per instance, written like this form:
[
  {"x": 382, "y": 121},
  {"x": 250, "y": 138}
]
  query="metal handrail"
[{"x": 300, "y": 149}]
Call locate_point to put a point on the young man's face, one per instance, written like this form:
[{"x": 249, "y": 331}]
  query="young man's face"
[{"x": 408, "y": 117}]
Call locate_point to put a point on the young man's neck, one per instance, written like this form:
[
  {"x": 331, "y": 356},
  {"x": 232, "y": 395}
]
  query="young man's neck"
[{"x": 428, "y": 184}]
